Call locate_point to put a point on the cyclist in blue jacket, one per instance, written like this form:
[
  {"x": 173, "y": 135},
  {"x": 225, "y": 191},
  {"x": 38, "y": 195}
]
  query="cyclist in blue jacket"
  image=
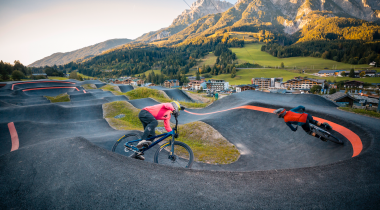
[{"x": 296, "y": 116}]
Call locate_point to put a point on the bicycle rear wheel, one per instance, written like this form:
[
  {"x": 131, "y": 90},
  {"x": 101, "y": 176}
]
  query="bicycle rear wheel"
[
  {"x": 119, "y": 148},
  {"x": 329, "y": 137},
  {"x": 183, "y": 155}
]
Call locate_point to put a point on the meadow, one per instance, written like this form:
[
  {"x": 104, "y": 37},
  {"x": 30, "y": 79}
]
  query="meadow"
[
  {"x": 252, "y": 53},
  {"x": 149, "y": 71},
  {"x": 209, "y": 59}
]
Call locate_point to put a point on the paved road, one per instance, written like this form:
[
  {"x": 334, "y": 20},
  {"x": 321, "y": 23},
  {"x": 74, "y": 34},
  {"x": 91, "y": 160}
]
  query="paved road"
[{"x": 63, "y": 159}]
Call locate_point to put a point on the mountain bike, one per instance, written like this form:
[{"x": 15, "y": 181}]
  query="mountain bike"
[
  {"x": 172, "y": 153},
  {"x": 325, "y": 134}
]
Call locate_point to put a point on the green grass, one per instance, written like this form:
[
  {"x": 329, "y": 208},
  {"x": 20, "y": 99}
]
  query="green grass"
[
  {"x": 87, "y": 87},
  {"x": 131, "y": 119},
  {"x": 64, "y": 97},
  {"x": 144, "y": 92},
  {"x": 361, "y": 112},
  {"x": 206, "y": 147},
  {"x": 199, "y": 136},
  {"x": 156, "y": 72},
  {"x": 84, "y": 76},
  {"x": 108, "y": 88},
  {"x": 252, "y": 53},
  {"x": 209, "y": 59}
]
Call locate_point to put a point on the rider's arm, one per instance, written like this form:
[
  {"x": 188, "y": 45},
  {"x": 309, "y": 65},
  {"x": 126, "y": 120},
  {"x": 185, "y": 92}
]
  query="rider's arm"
[
  {"x": 298, "y": 108},
  {"x": 169, "y": 106},
  {"x": 291, "y": 126},
  {"x": 167, "y": 125}
]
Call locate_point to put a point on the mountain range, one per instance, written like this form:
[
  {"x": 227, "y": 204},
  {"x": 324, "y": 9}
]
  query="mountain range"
[
  {"x": 303, "y": 20},
  {"x": 79, "y": 55}
]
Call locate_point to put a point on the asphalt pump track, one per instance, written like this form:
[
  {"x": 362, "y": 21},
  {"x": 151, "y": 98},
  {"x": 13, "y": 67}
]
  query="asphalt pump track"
[
  {"x": 175, "y": 94},
  {"x": 57, "y": 156}
]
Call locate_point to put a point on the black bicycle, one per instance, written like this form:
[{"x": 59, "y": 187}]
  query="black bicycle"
[
  {"x": 172, "y": 153},
  {"x": 325, "y": 134}
]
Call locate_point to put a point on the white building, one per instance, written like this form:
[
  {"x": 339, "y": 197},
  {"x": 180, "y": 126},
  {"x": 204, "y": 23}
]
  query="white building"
[{"x": 217, "y": 85}]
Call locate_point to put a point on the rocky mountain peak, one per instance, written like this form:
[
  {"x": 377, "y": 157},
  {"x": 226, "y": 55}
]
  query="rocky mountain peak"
[{"x": 201, "y": 8}]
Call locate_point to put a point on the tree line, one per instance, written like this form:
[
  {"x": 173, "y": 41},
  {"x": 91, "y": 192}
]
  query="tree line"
[{"x": 17, "y": 71}]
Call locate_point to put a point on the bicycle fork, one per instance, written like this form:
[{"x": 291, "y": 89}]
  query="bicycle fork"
[{"x": 171, "y": 153}]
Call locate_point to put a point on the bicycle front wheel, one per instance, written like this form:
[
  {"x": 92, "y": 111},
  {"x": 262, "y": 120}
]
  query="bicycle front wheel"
[
  {"x": 183, "y": 155},
  {"x": 334, "y": 139},
  {"x": 329, "y": 137}
]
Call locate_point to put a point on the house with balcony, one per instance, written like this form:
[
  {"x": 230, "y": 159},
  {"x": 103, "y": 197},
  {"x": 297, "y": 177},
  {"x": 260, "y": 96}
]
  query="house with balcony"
[
  {"x": 301, "y": 83},
  {"x": 217, "y": 85},
  {"x": 195, "y": 84},
  {"x": 241, "y": 88},
  {"x": 267, "y": 83},
  {"x": 353, "y": 84},
  {"x": 171, "y": 83}
]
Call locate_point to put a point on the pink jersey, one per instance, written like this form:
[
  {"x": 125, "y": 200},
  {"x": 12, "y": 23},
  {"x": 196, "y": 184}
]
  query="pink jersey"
[{"x": 162, "y": 112}]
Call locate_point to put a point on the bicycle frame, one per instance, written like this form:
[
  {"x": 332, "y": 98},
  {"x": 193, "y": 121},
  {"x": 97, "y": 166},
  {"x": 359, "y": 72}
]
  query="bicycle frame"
[
  {"x": 316, "y": 128},
  {"x": 164, "y": 136}
]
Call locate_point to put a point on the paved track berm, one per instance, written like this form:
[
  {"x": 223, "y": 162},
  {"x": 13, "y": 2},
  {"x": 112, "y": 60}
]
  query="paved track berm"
[{"x": 58, "y": 156}]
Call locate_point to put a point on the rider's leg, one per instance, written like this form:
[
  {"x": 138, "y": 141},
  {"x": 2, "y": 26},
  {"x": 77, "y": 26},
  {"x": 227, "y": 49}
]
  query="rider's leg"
[
  {"x": 149, "y": 123},
  {"x": 306, "y": 128},
  {"x": 319, "y": 124},
  {"x": 312, "y": 121}
]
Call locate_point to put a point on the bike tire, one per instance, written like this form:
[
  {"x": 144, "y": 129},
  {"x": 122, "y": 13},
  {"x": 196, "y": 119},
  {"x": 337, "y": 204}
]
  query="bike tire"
[
  {"x": 184, "y": 159},
  {"x": 118, "y": 147},
  {"x": 327, "y": 135},
  {"x": 334, "y": 139}
]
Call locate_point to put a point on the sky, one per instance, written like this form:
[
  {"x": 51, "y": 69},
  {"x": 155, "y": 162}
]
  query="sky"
[{"x": 34, "y": 29}]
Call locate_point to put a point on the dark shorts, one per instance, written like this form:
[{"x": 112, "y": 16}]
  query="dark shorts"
[
  {"x": 149, "y": 122},
  {"x": 306, "y": 126}
]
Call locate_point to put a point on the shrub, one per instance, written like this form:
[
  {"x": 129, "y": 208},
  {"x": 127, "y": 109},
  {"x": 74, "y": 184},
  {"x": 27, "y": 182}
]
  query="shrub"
[{"x": 17, "y": 75}]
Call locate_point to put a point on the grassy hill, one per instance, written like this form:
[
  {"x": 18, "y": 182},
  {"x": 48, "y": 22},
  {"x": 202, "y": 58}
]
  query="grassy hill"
[{"x": 252, "y": 53}]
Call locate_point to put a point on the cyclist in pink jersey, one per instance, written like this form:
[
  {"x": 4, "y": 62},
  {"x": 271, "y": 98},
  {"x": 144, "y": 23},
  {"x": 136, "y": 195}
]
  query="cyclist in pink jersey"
[{"x": 149, "y": 116}]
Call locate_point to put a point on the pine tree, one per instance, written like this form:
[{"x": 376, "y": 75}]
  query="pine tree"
[
  {"x": 352, "y": 73},
  {"x": 198, "y": 76},
  {"x": 233, "y": 73}
]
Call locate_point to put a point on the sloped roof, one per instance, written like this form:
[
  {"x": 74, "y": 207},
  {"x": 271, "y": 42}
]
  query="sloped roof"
[
  {"x": 328, "y": 71},
  {"x": 370, "y": 100},
  {"x": 254, "y": 86},
  {"x": 298, "y": 79},
  {"x": 339, "y": 95}
]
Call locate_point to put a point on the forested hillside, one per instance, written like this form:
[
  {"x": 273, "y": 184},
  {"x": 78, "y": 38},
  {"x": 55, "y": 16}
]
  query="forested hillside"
[{"x": 173, "y": 62}]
